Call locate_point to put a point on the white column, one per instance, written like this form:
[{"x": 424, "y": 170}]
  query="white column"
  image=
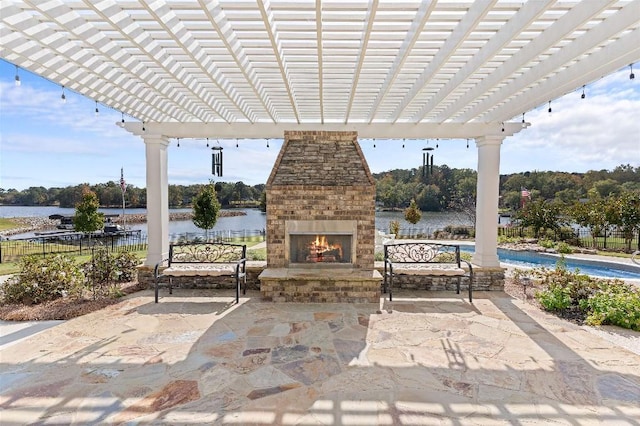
[
  {"x": 486, "y": 254},
  {"x": 157, "y": 199}
]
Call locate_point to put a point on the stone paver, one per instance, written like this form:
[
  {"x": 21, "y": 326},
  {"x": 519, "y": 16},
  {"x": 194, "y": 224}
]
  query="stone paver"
[{"x": 427, "y": 358}]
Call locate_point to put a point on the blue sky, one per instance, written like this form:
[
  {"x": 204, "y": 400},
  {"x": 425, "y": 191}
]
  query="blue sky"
[{"x": 44, "y": 142}]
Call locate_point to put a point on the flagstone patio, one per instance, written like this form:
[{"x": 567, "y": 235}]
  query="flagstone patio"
[{"x": 427, "y": 358}]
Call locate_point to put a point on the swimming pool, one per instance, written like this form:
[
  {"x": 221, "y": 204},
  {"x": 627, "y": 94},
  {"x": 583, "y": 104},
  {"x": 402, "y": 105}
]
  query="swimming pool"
[{"x": 532, "y": 259}]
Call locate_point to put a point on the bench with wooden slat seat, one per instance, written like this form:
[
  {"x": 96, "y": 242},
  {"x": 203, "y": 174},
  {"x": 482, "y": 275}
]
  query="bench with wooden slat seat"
[
  {"x": 194, "y": 259},
  {"x": 425, "y": 259}
]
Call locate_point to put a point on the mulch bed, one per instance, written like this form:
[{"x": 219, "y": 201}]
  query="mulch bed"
[{"x": 62, "y": 309}]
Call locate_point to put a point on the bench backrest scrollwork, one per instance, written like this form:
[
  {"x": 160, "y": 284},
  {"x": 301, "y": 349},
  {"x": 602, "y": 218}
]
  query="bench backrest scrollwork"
[
  {"x": 206, "y": 252},
  {"x": 422, "y": 253}
]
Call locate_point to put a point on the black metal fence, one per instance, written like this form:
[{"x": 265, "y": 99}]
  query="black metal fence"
[
  {"x": 77, "y": 243},
  {"x": 72, "y": 243},
  {"x": 613, "y": 240}
]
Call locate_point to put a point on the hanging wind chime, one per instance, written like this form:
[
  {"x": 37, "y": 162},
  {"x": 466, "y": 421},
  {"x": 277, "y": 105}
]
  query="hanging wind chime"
[
  {"x": 216, "y": 161},
  {"x": 427, "y": 161}
]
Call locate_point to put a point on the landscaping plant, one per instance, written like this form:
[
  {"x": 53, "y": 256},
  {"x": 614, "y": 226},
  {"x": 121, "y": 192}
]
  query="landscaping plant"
[
  {"x": 42, "y": 279},
  {"x": 586, "y": 299}
]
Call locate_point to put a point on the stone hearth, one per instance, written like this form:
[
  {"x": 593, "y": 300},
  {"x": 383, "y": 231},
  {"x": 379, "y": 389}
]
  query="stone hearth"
[{"x": 320, "y": 187}]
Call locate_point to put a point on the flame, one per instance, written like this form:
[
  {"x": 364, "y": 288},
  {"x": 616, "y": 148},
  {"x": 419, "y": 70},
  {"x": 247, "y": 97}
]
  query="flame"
[{"x": 320, "y": 245}]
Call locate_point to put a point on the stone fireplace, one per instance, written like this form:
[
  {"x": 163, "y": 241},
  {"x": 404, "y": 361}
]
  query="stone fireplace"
[{"x": 320, "y": 221}]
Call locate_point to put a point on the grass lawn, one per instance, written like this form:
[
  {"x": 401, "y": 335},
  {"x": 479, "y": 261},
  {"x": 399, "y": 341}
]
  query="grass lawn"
[{"x": 8, "y": 224}]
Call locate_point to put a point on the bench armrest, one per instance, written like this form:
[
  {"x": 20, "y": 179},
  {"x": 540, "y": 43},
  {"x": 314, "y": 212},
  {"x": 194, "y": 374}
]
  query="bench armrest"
[{"x": 156, "y": 269}]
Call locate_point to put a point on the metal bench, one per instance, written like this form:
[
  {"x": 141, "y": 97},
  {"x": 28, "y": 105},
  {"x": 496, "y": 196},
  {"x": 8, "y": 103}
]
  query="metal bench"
[
  {"x": 214, "y": 259},
  {"x": 428, "y": 259}
]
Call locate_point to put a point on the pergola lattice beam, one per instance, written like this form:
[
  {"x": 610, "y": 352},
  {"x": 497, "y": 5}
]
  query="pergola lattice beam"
[
  {"x": 365, "y": 131},
  {"x": 315, "y": 61},
  {"x": 522, "y": 19},
  {"x": 617, "y": 55},
  {"x": 422, "y": 16},
  {"x": 466, "y": 25}
]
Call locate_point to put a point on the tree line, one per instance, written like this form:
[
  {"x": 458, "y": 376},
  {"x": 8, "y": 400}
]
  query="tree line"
[
  {"x": 447, "y": 188},
  {"x": 110, "y": 195},
  {"x": 443, "y": 189}
]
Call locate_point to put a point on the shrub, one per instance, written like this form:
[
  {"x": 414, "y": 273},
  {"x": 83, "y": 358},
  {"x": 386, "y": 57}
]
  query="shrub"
[
  {"x": 105, "y": 269},
  {"x": 616, "y": 304},
  {"x": 546, "y": 243},
  {"x": 555, "y": 298},
  {"x": 564, "y": 248},
  {"x": 594, "y": 300},
  {"x": 42, "y": 279},
  {"x": 394, "y": 227}
]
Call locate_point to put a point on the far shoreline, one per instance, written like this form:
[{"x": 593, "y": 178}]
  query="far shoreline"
[{"x": 36, "y": 223}]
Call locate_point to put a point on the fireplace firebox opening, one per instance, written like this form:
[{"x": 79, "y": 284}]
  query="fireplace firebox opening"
[
  {"x": 316, "y": 243},
  {"x": 320, "y": 248}
]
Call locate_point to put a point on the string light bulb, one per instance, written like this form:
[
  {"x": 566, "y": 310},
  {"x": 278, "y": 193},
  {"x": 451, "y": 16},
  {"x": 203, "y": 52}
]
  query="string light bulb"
[
  {"x": 403, "y": 140},
  {"x": 178, "y": 142},
  {"x": 549, "y": 110},
  {"x": 207, "y": 142},
  {"x": 122, "y": 115},
  {"x": 374, "y": 142},
  {"x": 17, "y": 79},
  {"x": 503, "y": 126},
  {"x": 583, "y": 94},
  {"x": 631, "y": 76},
  {"x": 267, "y": 142},
  {"x": 97, "y": 110},
  {"x": 437, "y": 143},
  {"x": 237, "y": 146},
  {"x": 143, "y": 129},
  {"x": 467, "y": 143},
  {"x": 524, "y": 124},
  {"x": 63, "y": 97}
]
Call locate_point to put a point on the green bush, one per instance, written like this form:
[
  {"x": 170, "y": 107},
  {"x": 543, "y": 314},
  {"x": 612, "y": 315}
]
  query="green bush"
[
  {"x": 546, "y": 243},
  {"x": 564, "y": 248},
  {"x": 394, "y": 227},
  {"x": 593, "y": 300},
  {"x": 555, "y": 298},
  {"x": 105, "y": 270},
  {"x": 42, "y": 279},
  {"x": 616, "y": 304}
]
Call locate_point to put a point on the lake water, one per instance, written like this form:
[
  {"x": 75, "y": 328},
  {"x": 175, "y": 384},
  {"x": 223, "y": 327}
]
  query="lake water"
[{"x": 253, "y": 220}]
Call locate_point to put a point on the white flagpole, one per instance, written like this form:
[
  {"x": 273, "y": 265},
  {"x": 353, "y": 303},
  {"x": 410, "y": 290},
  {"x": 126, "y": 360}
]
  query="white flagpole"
[{"x": 123, "y": 187}]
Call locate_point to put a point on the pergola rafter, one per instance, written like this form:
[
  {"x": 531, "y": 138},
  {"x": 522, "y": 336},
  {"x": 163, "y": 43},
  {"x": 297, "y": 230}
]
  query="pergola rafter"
[{"x": 318, "y": 61}]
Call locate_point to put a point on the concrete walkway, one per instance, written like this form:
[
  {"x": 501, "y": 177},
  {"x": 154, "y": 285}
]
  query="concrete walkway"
[{"x": 428, "y": 358}]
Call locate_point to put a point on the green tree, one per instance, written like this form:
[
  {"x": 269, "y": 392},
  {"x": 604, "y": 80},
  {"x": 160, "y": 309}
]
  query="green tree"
[
  {"x": 592, "y": 214},
  {"x": 263, "y": 201},
  {"x": 539, "y": 215},
  {"x": 87, "y": 218},
  {"x": 412, "y": 214},
  {"x": 626, "y": 215},
  {"x": 206, "y": 208}
]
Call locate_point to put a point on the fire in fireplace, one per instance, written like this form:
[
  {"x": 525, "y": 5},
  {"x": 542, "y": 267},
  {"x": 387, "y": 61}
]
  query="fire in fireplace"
[{"x": 320, "y": 248}]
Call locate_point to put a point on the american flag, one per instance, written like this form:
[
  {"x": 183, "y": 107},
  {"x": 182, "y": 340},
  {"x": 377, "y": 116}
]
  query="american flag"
[
  {"x": 525, "y": 193},
  {"x": 123, "y": 184}
]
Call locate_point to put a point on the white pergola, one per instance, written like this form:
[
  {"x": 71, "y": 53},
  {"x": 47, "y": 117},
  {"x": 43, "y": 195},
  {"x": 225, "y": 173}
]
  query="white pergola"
[{"x": 385, "y": 68}]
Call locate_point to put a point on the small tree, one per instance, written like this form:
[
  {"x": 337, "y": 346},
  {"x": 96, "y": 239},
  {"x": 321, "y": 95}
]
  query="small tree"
[
  {"x": 626, "y": 215},
  {"x": 87, "y": 218},
  {"x": 206, "y": 208},
  {"x": 592, "y": 214},
  {"x": 412, "y": 214},
  {"x": 540, "y": 215}
]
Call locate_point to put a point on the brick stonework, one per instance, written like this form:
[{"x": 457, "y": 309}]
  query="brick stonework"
[{"x": 320, "y": 176}]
